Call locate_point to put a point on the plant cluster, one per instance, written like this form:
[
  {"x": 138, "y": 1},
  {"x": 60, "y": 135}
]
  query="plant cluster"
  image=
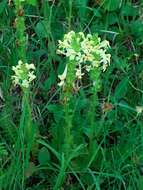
[
  {"x": 24, "y": 74},
  {"x": 88, "y": 52},
  {"x": 65, "y": 123}
]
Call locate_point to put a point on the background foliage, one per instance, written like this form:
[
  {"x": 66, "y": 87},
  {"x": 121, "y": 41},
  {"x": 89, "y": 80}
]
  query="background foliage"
[{"x": 115, "y": 159}]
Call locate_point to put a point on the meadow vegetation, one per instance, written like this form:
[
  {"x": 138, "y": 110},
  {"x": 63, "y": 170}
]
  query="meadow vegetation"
[{"x": 71, "y": 95}]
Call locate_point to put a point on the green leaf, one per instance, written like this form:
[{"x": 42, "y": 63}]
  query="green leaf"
[
  {"x": 2, "y": 6},
  {"x": 56, "y": 110},
  {"x": 58, "y": 156},
  {"x": 112, "y": 18},
  {"x": 121, "y": 88},
  {"x": 82, "y": 9},
  {"x": 42, "y": 29},
  {"x": 97, "y": 13},
  {"x": 129, "y": 10},
  {"x": 111, "y": 5},
  {"x": 50, "y": 81},
  {"x": 43, "y": 156},
  {"x": 140, "y": 184},
  {"x": 32, "y": 2},
  {"x": 137, "y": 28},
  {"x": 120, "y": 63}
]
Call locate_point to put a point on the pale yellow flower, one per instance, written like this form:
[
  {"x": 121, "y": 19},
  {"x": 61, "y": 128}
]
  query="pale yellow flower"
[
  {"x": 79, "y": 73},
  {"x": 62, "y": 77},
  {"x": 139, "y": 109},
  {"x": 88, "y": 52},
  {"x": 23, "y": 74}
]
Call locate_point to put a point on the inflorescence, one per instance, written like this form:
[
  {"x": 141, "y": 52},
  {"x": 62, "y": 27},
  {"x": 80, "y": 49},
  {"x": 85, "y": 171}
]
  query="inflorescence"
[
  {"x": 24, "y": 74},
  {"x": 89, "y": 53}
]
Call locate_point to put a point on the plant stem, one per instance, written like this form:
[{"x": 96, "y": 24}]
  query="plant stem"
[
  {"x": 70, "y": 14},
  {"x": 67, "y": 94},
  {"x": 20, "y": 30},
  {"x": 95, "y": 77}
]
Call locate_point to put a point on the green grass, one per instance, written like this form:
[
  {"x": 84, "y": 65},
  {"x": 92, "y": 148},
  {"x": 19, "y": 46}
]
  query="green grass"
[{"x": 106, "y": 152}]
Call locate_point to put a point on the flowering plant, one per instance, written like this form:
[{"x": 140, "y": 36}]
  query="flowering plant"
[
  {"x": 24, "y": 74},
  {"x": 89, "y": 53}
]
